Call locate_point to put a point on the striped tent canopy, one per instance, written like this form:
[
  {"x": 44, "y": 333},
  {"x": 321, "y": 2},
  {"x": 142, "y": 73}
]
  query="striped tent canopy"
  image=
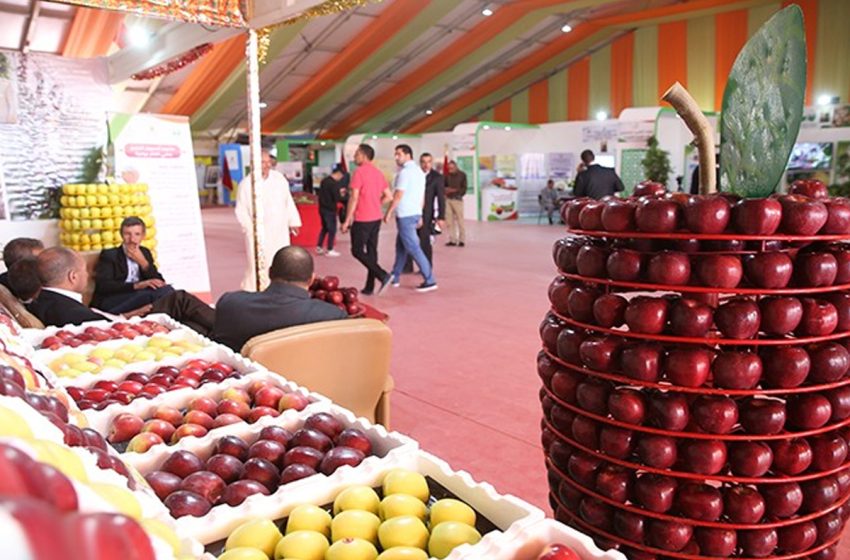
[{"x": 412, "y": 66}]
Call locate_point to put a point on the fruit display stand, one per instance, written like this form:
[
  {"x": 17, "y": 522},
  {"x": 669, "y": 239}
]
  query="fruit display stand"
[
  {"x": 91, "y": 215},
  {"x": 176, "y": 402},
  {"x": 695, "y": 367},
  {"x": 308, "y": 208}
]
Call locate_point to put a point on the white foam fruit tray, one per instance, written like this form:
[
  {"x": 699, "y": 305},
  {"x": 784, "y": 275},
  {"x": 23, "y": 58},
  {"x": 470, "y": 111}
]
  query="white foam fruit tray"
[
  {"x": 101, "y": 420},
  {"x": 528, "y": 543},
  {"x": 388, "y": 447}
]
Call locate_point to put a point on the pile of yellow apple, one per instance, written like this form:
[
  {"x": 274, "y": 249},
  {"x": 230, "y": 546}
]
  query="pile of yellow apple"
[
  {"x": 90, "y": 215},
  {"x": 74, "y": 364},
  {"x": 401, "y": 525}
]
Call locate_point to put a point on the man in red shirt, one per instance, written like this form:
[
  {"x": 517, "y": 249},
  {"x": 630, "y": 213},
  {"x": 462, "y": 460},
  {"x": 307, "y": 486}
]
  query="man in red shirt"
[{"x": 369, "y": 191}]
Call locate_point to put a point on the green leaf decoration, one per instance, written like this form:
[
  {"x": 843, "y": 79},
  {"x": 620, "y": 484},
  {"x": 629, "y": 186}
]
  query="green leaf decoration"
[{"x": 763, "y": 106}]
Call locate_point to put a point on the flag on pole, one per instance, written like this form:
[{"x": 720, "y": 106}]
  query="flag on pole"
[{"x": 226, "y": 179}]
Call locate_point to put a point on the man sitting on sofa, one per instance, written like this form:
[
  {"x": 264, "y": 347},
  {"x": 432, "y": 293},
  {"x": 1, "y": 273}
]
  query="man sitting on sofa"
[
  {"x": 126, "y": 277},
  {"x": 17, "y": 250},
  {"x": 240, "y": 316},
  {"x": 63, "y": 276}
]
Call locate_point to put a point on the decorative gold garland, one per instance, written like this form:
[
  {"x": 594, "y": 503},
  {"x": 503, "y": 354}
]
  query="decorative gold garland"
[{"x": 326, "y": 8}]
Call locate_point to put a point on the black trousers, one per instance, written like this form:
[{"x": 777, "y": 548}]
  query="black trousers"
[
  {"x": 328, "y": 227},
  {"x": 364, "y": 248},
  {"x": 128, "y": 301},
  {"x": 182, "y": 306}
]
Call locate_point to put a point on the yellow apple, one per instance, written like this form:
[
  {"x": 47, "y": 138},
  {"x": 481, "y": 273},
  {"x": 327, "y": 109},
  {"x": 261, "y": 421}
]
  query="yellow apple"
[
  {"x": 402, "y": 504},
  {"x": 102, "y": 189},
  {"x": 449, "y": 535},
  {"x": 69, "y": 189},
  {"x": 308, "y": 517},
  {"x": 352, "y": 549},
  {"x": 63, "y": 200},
  {"x": 258, "y": 533},
  {"x": 75, "y": 224},
  {"x": 120, "y": 498},
  {"x": 451, "y": 510},
  {"x": 401, "y": 481},
  {"x": 94, "y": 212},
  {"x": 97, "y": 223},
  {"x": 13, "y": 425},
  {"x": 304, "y": 545},
  {"x": 355, "y": 524},
  {"x": 85, "y": 238},
  {"x": 74, "y": 212},
  {"x": 403, "y": 553},
  {"x": 80, "y": 200},
  {"x": 114, "y": 199},
  {"x": 405, "y": 530},
  {"x": 102, "y": 200},
  {"x": 91, "y": 200},
  {"x": 85, "y": 223},
  {"x": 357, "y": 497}
]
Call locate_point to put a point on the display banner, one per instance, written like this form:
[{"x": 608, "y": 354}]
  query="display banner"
[
  {"x": 561, "y": 165},
  {"x": 157, "y": 150}
]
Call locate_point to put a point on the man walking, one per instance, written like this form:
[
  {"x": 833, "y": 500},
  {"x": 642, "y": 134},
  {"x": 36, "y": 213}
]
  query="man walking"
[
  {"x": 329, "y": 198},
  {"x": 455, "y": 191},
  {"x": 407, "y": 202},
  {"x": 369, "y": 190},
  {"x": 596, "y": 181},
  {"x": 435, "y": 192}
]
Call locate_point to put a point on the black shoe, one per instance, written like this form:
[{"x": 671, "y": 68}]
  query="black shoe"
[
  {"x": 461, "y": 244},
  {"x": 451, "y": 244},
  {"x": 366, "y": 292},
  {"x": 423, "y": 287}
]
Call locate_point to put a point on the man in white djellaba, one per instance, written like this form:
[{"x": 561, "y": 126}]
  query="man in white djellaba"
[{"x": 278, "y": 218}]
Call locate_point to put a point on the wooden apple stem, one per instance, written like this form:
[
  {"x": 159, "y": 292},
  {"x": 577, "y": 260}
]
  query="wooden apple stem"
[{"x": 689, "y": 110}]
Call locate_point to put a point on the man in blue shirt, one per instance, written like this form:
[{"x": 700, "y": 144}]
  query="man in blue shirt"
[{"x": 408, "y": 200}]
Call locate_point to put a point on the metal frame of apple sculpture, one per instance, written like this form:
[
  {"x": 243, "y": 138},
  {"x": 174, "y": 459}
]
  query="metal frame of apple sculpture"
[{"x": 705, "y": 414}]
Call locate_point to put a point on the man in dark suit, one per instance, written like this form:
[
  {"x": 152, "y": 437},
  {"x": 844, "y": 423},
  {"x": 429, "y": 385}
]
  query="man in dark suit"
[
  {"x": 126, "y": 277},
  {"x": 241, "y": 316},
  {"x": 63, "y": 276},
  {"x": 17, "y": 250},
  {"x": 596, "y": 181},
  {"x": 435, "y": 199}
]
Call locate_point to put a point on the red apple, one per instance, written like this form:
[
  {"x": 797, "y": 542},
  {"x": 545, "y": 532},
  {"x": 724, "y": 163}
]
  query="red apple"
[
  {"x": 688, "y": 366},
  {"x": 240, "y": 409},
  {"x": 124, "y": 427},
  {"x": 262, "y": 471},
  {"x": 624, "y": 265},
  {"x": 830, "y": 362},
  {"x": 239, "y": 491},
  {"x": 762, "y": 416},
  {"x": 669, "y": 268},
  {"x": 591, "y": 260},
  {"x": 703, "y": 456},
  {"x": 600, "y": 353},
  {"x": 811, "y": 188},
  {"x": 163, "y": 429},
  {"x": 809, "y": 411},
  {"x": 719, "y": 271},
  {"x": 655, "y": 492},
  {"x": 838, "y": 216},
  {"x": 188, "y": 430},
  {"x": 738, "y": 318},
  {"x": 699, "y": 501},
  {"x": 715, "y": 414},
  {"x": 771, "y": 270},
  {"x": 580, "y": 303},
  {"x": 785, "y": 366},
  {"x": 261, "y": 411},
  {"x": 609, "y": 310},
  {"x": 780, "y": 315},
  {"x": 143, "y": 441},
  {"x": 782, "y": 500},
  {"x": 356, "y": 439},
  {"x": 225, "y": 419},
  {"x": 802, "y": 215},
  {"x": 750, "y": 458},
  {"x": 228, "y": 467},
  {"x": 199, "y": 418},
  {"x": 742, "y": 504},
  {"x": 813, "y": 270},
  {"x": 757, "y": 216},
  {"x": 669, "y": 411},
  {"x": 618, "y": 215},
  {"x": 737, "y": 370},
  {"x": 182, "y": 503},
  {"x": 690, "y": 318},
  {"x": 339, "y": 457},
  {"x": 659, "y": 452},
  {"x": 707, "y": 214},
  {"x": 163, "y": 483},
  {"x": 294, "y": 401},
  {"x": 206, "y": 484},
  {"x": 641, "y": 361},
  {"x": 590, "y": 215},
  {"x": 657, "y": 215},
  {"x": 646, "y": 315},
  {"x": 203, "y": 404}
]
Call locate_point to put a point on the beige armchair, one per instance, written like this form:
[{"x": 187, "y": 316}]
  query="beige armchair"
[{"x": 348, "y": 361}]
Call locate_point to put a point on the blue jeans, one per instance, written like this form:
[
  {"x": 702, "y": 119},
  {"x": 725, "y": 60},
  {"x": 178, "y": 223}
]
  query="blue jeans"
[{"x": 407, "y": 243}]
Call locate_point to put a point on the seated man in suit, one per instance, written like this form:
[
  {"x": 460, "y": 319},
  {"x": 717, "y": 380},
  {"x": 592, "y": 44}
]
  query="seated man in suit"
[
  {"x": 126, "y": 277},
  {"x": 63, "y": 276},
  {"x": 240, "y": 316},
  {"x": 17, "y": 250}
]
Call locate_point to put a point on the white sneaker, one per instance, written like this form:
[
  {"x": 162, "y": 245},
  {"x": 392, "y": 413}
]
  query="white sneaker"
[
  {"x": 332, "y": 253},
  {"x": 320, "y": 251}
]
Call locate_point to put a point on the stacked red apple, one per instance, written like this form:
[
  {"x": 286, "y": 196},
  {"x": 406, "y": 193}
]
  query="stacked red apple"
[
  {"x": 328, "y": 289},
  {"x": 710, "y": 418},
  {"x": 169, "y": 425},
  {"x": 234, "y": 468},
  {"x": 91, "y": 335},
  {"x": 193, "y": 373},
  {"x": 44, "y": 504}
]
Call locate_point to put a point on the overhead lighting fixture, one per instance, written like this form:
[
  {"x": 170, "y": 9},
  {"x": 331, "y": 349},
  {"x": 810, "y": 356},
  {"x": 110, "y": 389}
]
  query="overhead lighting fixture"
[
  {"x": 322, "y": 143},
  {"x": 429, "y": 112},
  {"x": 263, "y": 105},
  {"x": 487, "y": 11},
  {"x": 138, "y": 36},
  {"x": 566, "y": 28},
  {"x": 601, "y": 115},
  {"x": 826, "y": 99}
]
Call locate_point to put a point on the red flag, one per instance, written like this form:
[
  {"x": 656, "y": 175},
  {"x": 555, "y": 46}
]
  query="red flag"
[
  {"x": 226, "y": 179},
  {"x": 342, "y": 163},
  {"x": 446, "y": 164}
]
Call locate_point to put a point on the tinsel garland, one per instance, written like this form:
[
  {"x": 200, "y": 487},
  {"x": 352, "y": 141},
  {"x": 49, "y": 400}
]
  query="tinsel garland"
[
  {"x": 326, "y": 8},
  {"x": 231, "y": 13},
  {"x": 174, "y": 64}
]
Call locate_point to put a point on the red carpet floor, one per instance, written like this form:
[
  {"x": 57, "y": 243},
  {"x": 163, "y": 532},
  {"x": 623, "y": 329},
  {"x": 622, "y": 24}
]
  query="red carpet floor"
[{"x": 463, "y": 356}]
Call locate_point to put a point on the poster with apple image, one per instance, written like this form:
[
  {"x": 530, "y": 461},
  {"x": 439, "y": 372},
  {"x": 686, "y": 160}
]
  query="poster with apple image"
[
  {"x": 500, "y": 204},
  {"x": 157, "y": 150}
]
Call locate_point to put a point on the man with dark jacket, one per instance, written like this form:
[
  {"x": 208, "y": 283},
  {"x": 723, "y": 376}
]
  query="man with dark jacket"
[
  {"x": 455, "y": 191},
  {"x": 435, "y": 192},
  {"x": 329, "y": 198},
  {"x": 596, "y": 181},
  {"x": 126, "y": 277},
  {"x": 241, "y": 316},
  {"x": 63, "y": 276}
]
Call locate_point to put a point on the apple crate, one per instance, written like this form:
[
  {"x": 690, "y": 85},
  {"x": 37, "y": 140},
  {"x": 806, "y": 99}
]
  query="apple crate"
[
  {"x": 101, "y": 420},
  {"x": 696, "y": 376},
  {"x": 388, "y": 448},
  {"x": 527, "y": 543},
  {"x": 500, "y": 518}
]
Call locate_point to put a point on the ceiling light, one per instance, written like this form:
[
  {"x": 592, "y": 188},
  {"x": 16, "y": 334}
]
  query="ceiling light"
[
  {"x": 263, "y": 105},
  {"x": 487, "y": 12},
  {"x": 429, "y": 112},
  {"x": 601, "y": 115},
  {"x": 566, "y": 28},
  {"x": 825, "y": 99},
  {"x": 322, "y": 143},
  {"x": 138, "y": 36}
]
